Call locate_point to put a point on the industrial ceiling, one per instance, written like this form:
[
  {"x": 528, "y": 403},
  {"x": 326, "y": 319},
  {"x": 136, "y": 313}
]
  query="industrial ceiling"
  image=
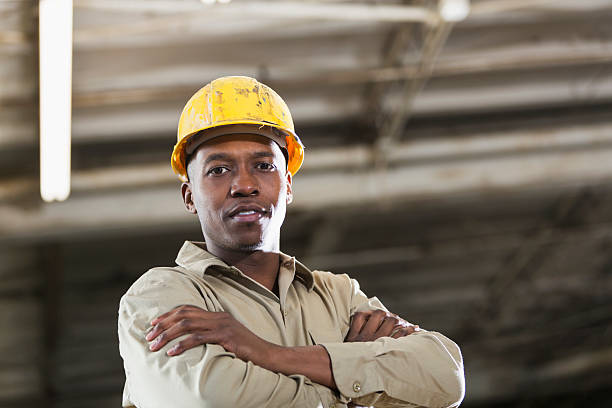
[{"x": 462, "y": 172}]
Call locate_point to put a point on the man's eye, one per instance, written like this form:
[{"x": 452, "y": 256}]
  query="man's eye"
[
  {"x": 265, "y": 166},
  {"x": 216, "y": 171}
]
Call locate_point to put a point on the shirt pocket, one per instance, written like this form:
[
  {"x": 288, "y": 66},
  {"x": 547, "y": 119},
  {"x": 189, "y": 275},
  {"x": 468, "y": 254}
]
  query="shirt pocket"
[{"x": 325, "y": 335}]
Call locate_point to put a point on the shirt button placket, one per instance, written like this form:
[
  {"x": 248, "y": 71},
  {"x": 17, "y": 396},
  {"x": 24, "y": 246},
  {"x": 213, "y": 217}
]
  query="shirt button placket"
[{"x": 283, "y": 314}]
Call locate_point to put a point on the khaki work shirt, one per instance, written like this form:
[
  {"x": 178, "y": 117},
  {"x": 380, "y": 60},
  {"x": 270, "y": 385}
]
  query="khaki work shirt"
[{"x": 422, "y": 369}]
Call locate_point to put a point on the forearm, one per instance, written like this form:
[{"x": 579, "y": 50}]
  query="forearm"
[
  {"x": 211, "y": 376},
  {"x": 207, "y": 375},
  {"x": 310, "y": 361},
  {"x": 422, "y": 369}
]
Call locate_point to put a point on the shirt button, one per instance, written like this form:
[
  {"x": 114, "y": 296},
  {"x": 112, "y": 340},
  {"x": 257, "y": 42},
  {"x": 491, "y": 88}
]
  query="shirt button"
[
  {"x": 356, "y": 386},
  {"x": 285, "y": 313}
]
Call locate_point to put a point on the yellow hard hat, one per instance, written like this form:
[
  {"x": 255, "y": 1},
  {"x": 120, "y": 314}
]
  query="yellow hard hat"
[{"x": 225, "y": 106}]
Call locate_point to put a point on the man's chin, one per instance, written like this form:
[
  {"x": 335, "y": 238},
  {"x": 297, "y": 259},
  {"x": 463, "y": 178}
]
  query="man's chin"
[
  {"x": 246, "y": 244},
  {"x": 254, "y": 241},
  {"x": 249, "y": 246}
]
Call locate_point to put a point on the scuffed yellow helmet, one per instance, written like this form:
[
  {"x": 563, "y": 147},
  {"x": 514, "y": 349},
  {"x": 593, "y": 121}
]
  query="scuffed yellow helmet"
[{"x": 226, "y": 102}]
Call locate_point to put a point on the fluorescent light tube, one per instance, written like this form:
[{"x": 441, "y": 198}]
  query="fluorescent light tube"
[
  {"x": 55, "y": 59},
  {"x": 454, "y": 10}
]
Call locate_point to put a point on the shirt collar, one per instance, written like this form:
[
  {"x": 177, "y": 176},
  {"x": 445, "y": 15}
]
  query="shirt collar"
[{"x": 193, "y": 256}]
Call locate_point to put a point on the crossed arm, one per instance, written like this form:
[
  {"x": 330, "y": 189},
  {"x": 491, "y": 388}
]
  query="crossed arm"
[
  {"x": 237, "y": 368},
  {"x": 204, "y": 327}
]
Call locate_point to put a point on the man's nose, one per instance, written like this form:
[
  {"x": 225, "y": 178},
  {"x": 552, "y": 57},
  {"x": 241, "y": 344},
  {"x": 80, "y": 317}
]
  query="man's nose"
[{"x": 244, "y": 184}]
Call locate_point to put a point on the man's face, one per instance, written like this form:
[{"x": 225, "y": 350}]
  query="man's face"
[{"x": 240, "y": 189}]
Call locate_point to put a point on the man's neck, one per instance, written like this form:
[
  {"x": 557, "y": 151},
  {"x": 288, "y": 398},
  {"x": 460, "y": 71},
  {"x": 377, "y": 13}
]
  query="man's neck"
[{"x": 260, "y": 266}]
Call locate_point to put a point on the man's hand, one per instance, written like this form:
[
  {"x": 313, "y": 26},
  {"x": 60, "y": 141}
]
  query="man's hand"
[
  {"x": 373, "y": 324},
  {"x": 205, "y": 327}
]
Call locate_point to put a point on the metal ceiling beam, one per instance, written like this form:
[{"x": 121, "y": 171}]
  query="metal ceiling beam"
[
  {"x": 480, "y": 246},
  {"x": 470, "y": 65},
  {"x": 502, "y": 6},
  {"x": 124, "y": 197},
  {"x": 426, "y": 152},
  {"x": 163, "y": 15},
  {"x": 323, "y": 8},
  {"x": 592, "y": 52},
  {"x": 182, "y": 16},
  {"x": 156, "y": 118},
  {"x": 393, "y": 52},
  {"x": 524, "y": 263},
  {"x": 394, "y": 125},
  {"x": 575, "y": 365},
  {"x": 467, "y": 66}
]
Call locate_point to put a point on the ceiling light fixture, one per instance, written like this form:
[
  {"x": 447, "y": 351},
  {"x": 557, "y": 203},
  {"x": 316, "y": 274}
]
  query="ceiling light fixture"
[
  {"x": 454, "y": 10},
  {"x": 210, "y": 2},
  {"x": 55, "y": 58}
]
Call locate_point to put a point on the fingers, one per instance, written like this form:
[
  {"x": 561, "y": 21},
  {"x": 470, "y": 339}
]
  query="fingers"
[
  {"x": 180, "y": 321},
  {"x": 162, "y": 337},
  {"x": 373, "y": 323},
  {"x": 162, "y": 317},
  {"x": 402, "y": 331},
  {"x": 357, "y": 322},
  {"x": 166, "y": 320},
  {"x": 194, "y": 340},
  {"x": 387, "y": 326}
]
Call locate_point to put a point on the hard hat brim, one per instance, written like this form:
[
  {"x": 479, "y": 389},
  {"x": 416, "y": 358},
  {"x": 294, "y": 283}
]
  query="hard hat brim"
[
  {"x": 203, "y": 136},
  {"x": 191, "y": 142}
]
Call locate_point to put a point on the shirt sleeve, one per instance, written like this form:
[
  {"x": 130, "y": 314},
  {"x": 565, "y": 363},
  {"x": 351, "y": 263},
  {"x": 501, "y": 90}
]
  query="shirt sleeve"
[
  {"x": 422, "y": 369},
  {"x": 205, "y": 376}
]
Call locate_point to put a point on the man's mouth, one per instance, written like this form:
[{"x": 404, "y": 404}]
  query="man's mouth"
[
  {"x": 247, "y": 216},
  {"x": 247, "y": 213}
]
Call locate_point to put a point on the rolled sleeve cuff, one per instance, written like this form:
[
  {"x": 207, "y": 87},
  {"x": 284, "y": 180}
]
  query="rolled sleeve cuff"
[{"x": 354, "y": 368}]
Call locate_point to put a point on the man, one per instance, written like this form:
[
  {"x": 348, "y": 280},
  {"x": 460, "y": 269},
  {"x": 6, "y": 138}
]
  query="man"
[{"x": 237, "y": 323}]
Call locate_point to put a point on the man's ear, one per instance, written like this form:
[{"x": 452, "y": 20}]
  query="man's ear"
[
  {"x": 188, "y": 197},
  {"x": 289, "y": 189}
]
